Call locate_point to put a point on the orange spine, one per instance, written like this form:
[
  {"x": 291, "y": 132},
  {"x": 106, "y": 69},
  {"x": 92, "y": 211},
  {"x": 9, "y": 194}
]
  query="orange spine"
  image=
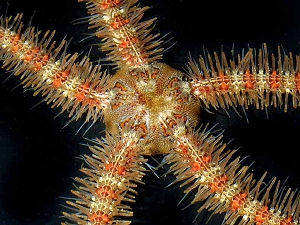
[
  {"x": 77, "y": 87},
  {"x": 127, "y": 40},
  {"x": 199, "y": 159},
  {"x": 225, "y": 84}
]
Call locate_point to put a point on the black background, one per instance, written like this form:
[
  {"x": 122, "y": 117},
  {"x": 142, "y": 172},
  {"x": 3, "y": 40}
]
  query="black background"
[{"x": 38, "y": 157}]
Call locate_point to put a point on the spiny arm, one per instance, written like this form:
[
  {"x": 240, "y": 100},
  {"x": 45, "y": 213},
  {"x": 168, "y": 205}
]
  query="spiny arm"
[
  {"x": 126, "y": 39},
  {"x": 200, "y": 160},
  {"x": 257, "y": 80},
  {"x": 78, "y": 87},
  {"x": 115, "y": 169}
]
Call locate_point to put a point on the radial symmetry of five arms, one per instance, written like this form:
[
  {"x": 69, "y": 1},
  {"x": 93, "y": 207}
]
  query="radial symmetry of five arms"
[{"x": 150, "y": 108}]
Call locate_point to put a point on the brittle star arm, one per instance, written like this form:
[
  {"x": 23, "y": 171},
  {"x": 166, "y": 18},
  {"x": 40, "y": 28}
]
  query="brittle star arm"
[
  {"x": 257, "y": 80},
  {"x": 126, "y": 39},
  {"x": 201, "y": 162},
  {"x": 77, "y": 87},
  {"x": 115, "y": 168}
]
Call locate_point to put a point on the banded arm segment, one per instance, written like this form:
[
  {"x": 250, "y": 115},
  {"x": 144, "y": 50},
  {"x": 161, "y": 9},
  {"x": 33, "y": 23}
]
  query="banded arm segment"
[
  {"x": 201, "y": 163},
  {"x": 253, "y": 79},
  {"x": 78, "y": 87},
  {"x": 126, "y": 39},
  {"x": 115, "y": 169}
]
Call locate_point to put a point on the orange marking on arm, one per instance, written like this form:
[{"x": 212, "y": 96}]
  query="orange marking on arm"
[
  {"x": 60, "y": 78},
  {"x": 128, "y": 41},
  {"x": 124, "y": 44},
  {"x": 82, "y": 91},
  {"x": 80, "y": 96},
  {"x": 199, "y": 90},
  {"x": 41, "y": 62},
  {"x": 84, "y": 87},
  {"x": 249, "y": 80},
  {"x": 15, "y": 42},
  {"x": 223, "y": 81},
  {"x": 119, "y": 169},
  {"x": 274, "y": 80},
  {"x": 287, "y": 221},
  {"x": 135, "y": 61},
  {"x": 100, "y": 217},
  {"x": 93, "y": 102},
  {"x": 119, "y": 22},
  {"x": 224, "y": 87},
  {"x": 106, "y": 192},
  {"x": 207, "y": 89},
  {"x": 297, "y": 81},
  {"x": 37, "y": 67},
  {"x": 196, "y": 166},
  {"x": 201, "y": 163},
  {"x": 109, "y": 4},
  {"x": 64, "y": 75},
  {"x": 56, "y": 83},
  {"x": 38, "y": 60},
  {"x": 238, "y": 201},
  {"x": 249, "y": 85},
  {"x": 184, "y": 149},
  {"x": 31, "y": 55},
  {"x": 28, "y": 58},
  {"x": 218, "y": 183},
  {"x": 262, "y": 215},
  {"x": 15, "y": 48}
]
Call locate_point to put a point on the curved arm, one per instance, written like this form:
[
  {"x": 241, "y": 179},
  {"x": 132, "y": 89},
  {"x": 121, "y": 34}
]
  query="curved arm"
[{"x": 78, "y": 87}]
